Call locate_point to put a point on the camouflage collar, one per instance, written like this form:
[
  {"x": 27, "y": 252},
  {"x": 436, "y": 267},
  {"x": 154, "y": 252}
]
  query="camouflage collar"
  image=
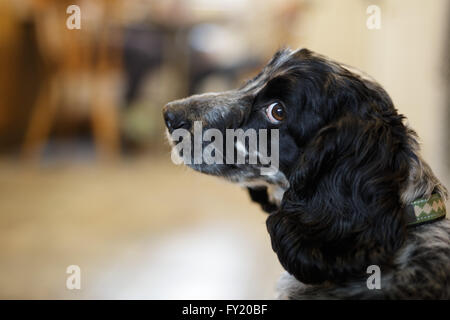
[{"x": 425, "y": 210}]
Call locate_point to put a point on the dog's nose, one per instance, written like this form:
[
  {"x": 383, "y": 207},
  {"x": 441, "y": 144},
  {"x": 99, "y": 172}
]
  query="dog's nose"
[{"x": 175, "y": 119}]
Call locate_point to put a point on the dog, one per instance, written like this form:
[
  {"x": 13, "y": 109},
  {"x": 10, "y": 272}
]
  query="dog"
[{"x": 351, "y": 194}]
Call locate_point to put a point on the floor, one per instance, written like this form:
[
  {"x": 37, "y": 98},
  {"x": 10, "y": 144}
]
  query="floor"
[{"x": 138, "y": 229}]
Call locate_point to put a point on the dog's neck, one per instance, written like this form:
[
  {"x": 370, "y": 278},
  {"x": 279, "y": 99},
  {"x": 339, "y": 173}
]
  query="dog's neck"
[
  {"x": 276, "y": 185},
  {"x": 421, "y": 181}
]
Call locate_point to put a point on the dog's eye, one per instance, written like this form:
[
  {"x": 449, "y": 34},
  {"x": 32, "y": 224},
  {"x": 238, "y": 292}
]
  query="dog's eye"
[{"x": 275, "y": 112}]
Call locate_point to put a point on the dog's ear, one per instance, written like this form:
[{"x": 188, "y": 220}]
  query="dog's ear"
[
  {"x": 260, "y": 195},
  {"x": 342, "y": 211}
]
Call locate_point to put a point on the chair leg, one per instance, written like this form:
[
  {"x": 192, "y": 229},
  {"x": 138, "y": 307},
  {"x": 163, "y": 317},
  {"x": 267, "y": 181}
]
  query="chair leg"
[
  {"x": 105, "y": 119},
  {"x": 41, "y": 122}
]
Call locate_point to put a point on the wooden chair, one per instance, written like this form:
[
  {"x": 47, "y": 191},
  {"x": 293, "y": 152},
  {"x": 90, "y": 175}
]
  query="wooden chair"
[{"x": 71, "y": 55}]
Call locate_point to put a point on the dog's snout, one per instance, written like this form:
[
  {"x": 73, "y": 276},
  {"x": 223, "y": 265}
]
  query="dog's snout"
[{"x": 175, "y": 119}]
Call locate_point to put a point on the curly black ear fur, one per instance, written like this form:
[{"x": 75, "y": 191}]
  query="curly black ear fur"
[{"x": 342, "y": 211}]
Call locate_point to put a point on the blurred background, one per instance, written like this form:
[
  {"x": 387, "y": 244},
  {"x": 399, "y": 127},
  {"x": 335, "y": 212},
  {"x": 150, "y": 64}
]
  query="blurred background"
[{"x": 85, "y": 173}]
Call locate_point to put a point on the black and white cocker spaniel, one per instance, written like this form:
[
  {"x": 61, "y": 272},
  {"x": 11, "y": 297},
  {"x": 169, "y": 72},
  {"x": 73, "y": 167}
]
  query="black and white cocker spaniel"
[{"x": 351, "y": 191}]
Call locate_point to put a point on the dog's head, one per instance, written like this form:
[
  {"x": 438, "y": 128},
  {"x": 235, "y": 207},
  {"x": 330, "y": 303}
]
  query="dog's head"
[{"x": 344, "y": 157}]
